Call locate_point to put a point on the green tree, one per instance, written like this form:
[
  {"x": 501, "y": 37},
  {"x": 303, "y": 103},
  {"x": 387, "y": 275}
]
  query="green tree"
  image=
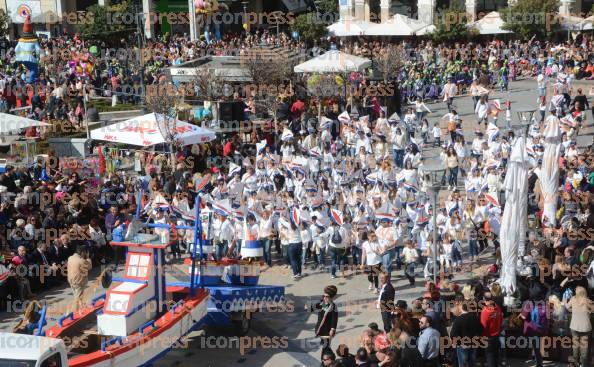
[
  {"x": 327, "y": 6},
  {"x": 451, "y": 25},
  {"x": 310, "y": 27},
  {"x": 107, "y": 22},
  {"x": 4, "y": 20},
  {"x": 531, "y": 18}
]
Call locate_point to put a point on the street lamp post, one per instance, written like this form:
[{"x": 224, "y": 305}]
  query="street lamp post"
[
  {"x": 436, "y": 173},
  {"x": 245, "y": 4}
]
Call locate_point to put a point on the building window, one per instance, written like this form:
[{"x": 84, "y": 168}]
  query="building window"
[{"x": 138, "y": 266}]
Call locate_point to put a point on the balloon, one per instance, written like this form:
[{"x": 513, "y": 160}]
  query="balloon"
[{"x": 245, "y": 26}]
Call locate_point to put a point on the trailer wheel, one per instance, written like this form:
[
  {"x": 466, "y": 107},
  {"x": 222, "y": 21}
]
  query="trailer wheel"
[{"x": 242, "y": 325}]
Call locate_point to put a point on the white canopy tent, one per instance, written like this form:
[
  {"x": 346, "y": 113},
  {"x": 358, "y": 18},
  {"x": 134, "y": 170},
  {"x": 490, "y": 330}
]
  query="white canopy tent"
[
  {"x": 333, "y": 61},
  {"x": 515, "y": 215},
  {"x": 11, "y": 123},
  {"x": 349, "y": 27},
  {"x": 490, "y": 24},
  {"x": 571, "y": 22},
  {"x": 588, "y": 24},
  {"x": 149, "y": 130},
  {"x": 426, "y": 30},
  {"x": 398, "y": 25}
]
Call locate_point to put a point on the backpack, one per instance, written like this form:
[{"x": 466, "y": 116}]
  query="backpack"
[
  {"x": 538, "y": 318},
  {"x": 336, "y": 237}
]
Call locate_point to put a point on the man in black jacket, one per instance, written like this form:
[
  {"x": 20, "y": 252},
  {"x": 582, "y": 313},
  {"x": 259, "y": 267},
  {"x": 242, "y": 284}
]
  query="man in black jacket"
[
  {"x": 386, "y": 300},
  {"x": 466, "y": 335},
  {"x": 327, "y": 318}
]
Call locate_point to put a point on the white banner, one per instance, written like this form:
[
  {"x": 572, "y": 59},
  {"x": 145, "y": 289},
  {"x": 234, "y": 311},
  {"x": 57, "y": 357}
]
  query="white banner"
[{"x": 19, "y": 9}]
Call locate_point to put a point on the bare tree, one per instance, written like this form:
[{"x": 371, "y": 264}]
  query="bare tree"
[
  {"x": 390, "y": 60},
  {"x": 164, "y": 99},
  {"x": 270, "y": 71}
]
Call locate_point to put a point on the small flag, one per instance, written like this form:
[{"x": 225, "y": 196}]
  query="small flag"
[
  {"x": 336, "y": 216},
  {"x": 287, "y": 135},
  {"x": 344, "y": 117},
  {"x": 491, "y": 199}
]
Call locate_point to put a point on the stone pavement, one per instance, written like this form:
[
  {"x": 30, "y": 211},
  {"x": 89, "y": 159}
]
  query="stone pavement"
[{"x": 286, "y": 337}]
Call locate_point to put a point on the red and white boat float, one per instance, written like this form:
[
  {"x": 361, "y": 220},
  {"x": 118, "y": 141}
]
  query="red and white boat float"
[{"x": 142, "y": 316}]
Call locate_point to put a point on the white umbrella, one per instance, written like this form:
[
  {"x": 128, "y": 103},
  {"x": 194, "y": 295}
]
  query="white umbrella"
[
  {"x": 333, "y": 61},
  {"x": 348, "y": 27},
  {"x": 571, "y": 22},
  {"x": 490, "y": 24},
  {"x": 426, "y": 30},
  {"x": 549, "y": 172},
  {"x": 149, "y": 130},
  {"x": 398, "y": 25},
  {"x": 514, "y": 221},
  {"x": 10, "y": 123},
  {"x": 588, "y": 23}
]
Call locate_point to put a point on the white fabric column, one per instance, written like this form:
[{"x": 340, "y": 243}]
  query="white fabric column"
[
  {"x": 426, "y": 11},
  {"x": 549, "y": 172},
  {"x": 471, "y": 10},
  {"x": 514, "y": 221},
  {"x": 345, "y": 9},
  {"x": 385, "y": 10},
  {"x": 359, "y": 9},
  {"x": 149, "y": 27},
  {"x": 193, "y": 25},
  {"x": 565, "y": 7}
]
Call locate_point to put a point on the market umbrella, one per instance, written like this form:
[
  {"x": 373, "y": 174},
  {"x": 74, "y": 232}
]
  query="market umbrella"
[
  {"x": 333, "y": 61},
  {"x": 514, "y": 221},
  {"x": 549, "y": 172},
  {"x": 398, "y": 25},
  {"x": 490, "y": 24},
  {"x": 10, "y": 123},
  {"x": 349, "y": 27},
  {"x": 149, "y": 130}
]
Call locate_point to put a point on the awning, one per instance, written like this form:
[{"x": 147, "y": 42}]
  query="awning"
[
  {"x": 490, "y": 24},
  {"x": 149, "y": 130},
  {"x": 333, "y": 61},
  {"x": 10, "y": 123},
  {"x": 398, "y": 25}
]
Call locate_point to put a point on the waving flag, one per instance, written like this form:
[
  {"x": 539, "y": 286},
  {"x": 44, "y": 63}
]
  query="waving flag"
[
  {"x": 344, "y": 117},
  {"x": 184, "y": 215},
  {"x": 385, "y": 217},
  {"x": 491, "y": 199},
  {"x": 394, "y": 118},
  {"x": 569, "y": 121},
  {"x": 295, "y": 216},
  {"x": 411, "y": 187},
  {"x": 336, "y": 216},
  {"x": 4, "y": 272},
  {"x": 222, "y": 207},
  {"x": 260, "y": 146},
  {"x": 287, "y": 135},
  {"x": 492, "y": 131},
  {"x": 234, "y": 169},
  {"x": 203, "y": 183},
  {"x": 325, "y": 123}
]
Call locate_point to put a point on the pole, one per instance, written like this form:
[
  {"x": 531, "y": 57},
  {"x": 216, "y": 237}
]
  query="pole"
[
  {"x": 86, "y": 112},
  {"x": 138, "y": 203},
  {"x": 435, "y": 192},
  {"x": 197, "y": 241},
  {"x": 139, "y": 55}
]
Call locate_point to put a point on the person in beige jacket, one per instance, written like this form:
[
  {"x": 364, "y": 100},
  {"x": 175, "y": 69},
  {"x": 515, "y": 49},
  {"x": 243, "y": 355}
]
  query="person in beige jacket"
[{"x": 78, "y": 268}]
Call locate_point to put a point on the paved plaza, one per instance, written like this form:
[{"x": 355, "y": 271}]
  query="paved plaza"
[{"x": 285, "y": 337}]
